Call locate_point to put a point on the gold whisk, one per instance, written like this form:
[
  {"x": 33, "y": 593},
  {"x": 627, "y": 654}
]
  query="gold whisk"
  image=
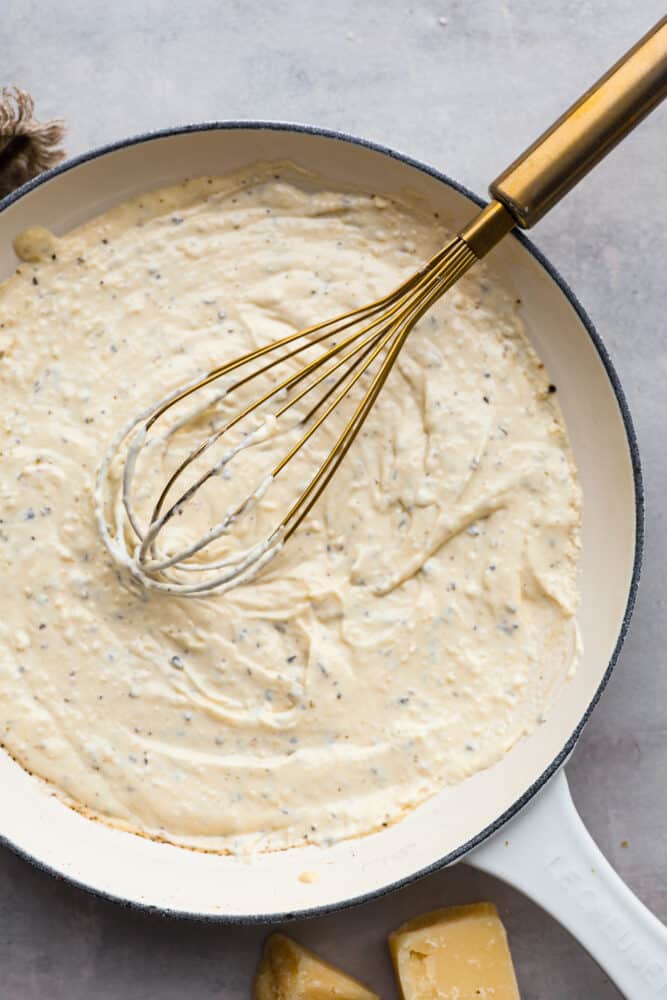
[{"x": 363, "y": 342}]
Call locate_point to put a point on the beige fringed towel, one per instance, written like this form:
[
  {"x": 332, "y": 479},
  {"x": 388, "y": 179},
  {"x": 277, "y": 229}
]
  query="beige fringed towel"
[{"x": 27, "y": 146}]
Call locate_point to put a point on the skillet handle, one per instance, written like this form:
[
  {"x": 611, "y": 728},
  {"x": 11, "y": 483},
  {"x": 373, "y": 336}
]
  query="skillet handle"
[{"x": 548, "y": 854}]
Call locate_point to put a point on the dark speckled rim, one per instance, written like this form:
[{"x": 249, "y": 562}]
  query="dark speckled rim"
[{"x": 603, "y": 354}]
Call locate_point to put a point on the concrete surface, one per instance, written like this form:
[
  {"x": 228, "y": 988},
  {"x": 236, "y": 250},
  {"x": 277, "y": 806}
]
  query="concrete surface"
[{"x": 465, "y": 95}]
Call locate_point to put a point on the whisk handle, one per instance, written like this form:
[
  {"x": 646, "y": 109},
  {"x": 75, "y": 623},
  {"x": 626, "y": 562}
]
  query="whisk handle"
[{"x": 587, "y": 131}]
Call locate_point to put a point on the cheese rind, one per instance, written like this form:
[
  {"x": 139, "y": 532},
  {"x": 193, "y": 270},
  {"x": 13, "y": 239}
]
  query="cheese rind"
[
  {"x": 288, "y": 971},
  {"x": 458, "y": 953}
]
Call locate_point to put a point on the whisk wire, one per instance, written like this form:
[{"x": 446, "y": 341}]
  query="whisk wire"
[{"x": 300, "y": 509}]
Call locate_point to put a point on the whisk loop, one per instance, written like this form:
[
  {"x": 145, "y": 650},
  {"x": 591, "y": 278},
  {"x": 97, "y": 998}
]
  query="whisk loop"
[{"x": 362, "y": 342}]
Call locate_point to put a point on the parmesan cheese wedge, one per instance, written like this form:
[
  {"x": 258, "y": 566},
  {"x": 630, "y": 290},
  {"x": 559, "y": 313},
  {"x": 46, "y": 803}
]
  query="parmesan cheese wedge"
[
  {"x": 288, "y": 971},
  {"x": 459, "y": 953}
]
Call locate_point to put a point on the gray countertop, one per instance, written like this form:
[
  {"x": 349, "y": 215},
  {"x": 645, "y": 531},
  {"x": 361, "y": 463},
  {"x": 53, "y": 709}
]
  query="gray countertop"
[{"x": 465, "y": 95}]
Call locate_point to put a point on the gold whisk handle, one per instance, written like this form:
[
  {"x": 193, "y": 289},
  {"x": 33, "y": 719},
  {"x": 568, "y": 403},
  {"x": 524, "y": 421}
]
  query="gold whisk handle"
[{"x": 587, "y": 131}]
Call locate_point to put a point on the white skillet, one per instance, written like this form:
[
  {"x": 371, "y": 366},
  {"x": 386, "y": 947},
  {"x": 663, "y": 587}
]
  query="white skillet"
[{"x": 542, "y": 848}]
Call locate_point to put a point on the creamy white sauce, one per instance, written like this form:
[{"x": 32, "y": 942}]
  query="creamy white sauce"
[{"x": 415, "y": 627}]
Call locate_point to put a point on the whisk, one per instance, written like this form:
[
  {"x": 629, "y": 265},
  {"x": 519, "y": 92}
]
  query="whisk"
[{"x": 355, "y": 349}]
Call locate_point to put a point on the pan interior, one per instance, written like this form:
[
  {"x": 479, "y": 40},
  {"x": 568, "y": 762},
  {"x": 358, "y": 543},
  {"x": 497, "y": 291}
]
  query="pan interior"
[{"x": 159, "y": 875}]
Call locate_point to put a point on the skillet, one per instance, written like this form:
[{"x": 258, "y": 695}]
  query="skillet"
[{"x": 542, "y": 847}]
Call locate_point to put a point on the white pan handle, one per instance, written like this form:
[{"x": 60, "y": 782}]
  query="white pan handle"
[{"x": 548, "y": 854}]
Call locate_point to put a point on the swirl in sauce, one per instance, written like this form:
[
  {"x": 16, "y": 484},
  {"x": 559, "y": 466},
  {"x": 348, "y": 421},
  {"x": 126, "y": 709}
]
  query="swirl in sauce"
[{"x": 416, "y": 626}]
